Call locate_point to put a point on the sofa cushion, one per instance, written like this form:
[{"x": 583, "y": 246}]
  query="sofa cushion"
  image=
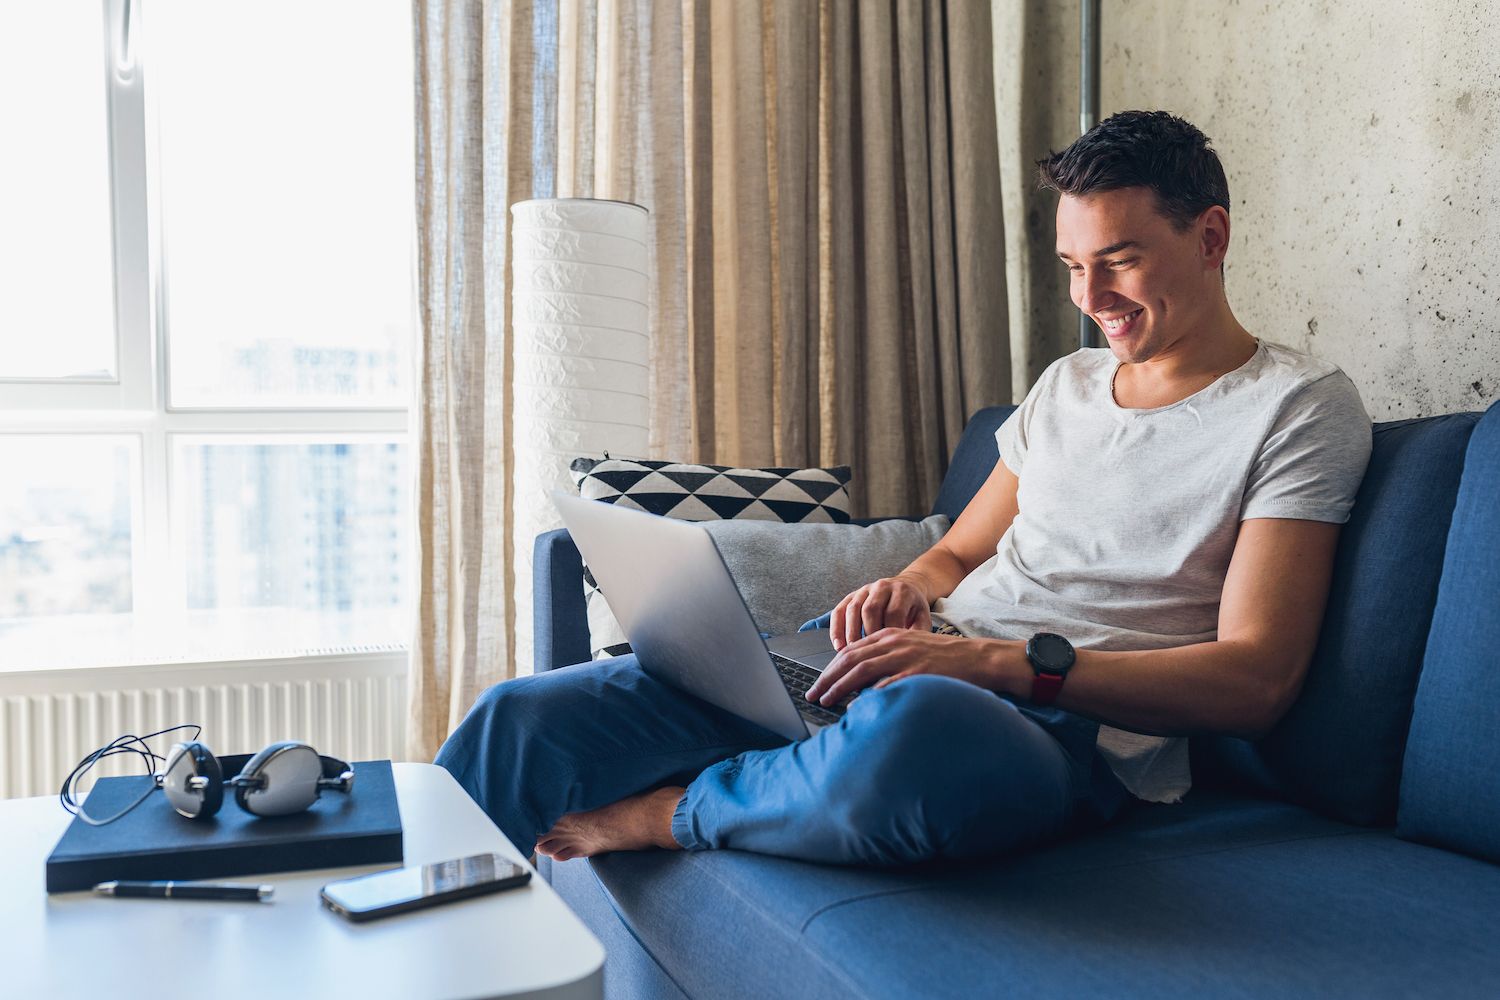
[
  {"x": 1339, "y": 749},
  {"x": 1216, "y": 896},
  {"x": 1450, "y": 785},
  {"x": 701, "y": 493},
  {"x": 786, "y": 572}
]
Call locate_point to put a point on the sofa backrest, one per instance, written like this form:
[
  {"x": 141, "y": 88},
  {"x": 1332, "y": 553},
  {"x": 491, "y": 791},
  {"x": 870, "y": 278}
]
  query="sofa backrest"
[
  {"x": 973, "y": 461},
  {"x": 1450, "y": 784},
  {"x": 1338, "y": 751}
]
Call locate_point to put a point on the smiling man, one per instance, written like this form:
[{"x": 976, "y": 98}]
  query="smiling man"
[
  {"x": 1149, "y": 558},
  {"x": 1169, "y": 506}
]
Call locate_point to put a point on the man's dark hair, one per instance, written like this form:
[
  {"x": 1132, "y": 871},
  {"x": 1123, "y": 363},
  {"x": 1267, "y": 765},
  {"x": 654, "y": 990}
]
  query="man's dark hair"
[{"x": 1150, "y": 149}]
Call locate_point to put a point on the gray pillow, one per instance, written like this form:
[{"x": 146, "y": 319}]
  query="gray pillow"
[{"x": 789, "y": 573}]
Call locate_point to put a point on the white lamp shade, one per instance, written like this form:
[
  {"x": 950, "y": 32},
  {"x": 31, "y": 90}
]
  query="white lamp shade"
[{"x": 580, "y": 315}]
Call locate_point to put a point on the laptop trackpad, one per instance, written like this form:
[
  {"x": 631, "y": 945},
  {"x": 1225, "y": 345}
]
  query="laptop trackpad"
[{"x": 813, "y": 648}]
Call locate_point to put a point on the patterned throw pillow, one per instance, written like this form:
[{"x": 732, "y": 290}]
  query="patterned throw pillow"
[{"x": 701, "y": 493}]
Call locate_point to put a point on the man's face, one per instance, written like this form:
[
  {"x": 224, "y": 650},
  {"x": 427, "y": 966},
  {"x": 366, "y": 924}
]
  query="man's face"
[{"x": 1144, "y": 283}]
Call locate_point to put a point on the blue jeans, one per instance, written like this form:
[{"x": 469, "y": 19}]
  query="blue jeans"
[{"x": 926, "y": 768}]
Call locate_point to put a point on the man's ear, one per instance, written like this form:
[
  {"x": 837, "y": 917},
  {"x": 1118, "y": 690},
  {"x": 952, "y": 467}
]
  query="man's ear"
[{"x": 1213, "y": 236}]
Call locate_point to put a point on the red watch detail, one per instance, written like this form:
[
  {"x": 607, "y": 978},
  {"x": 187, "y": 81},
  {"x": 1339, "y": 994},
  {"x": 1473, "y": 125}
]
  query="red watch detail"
[{"x": 1044, "y": 688}]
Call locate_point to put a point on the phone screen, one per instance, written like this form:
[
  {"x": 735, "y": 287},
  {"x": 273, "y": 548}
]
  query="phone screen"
[{"x": 403, "y": 888}]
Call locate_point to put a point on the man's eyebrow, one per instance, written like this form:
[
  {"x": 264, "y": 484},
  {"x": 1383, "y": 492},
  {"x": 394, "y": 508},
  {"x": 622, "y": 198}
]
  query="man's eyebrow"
[{"x": 1106, "y": 251}]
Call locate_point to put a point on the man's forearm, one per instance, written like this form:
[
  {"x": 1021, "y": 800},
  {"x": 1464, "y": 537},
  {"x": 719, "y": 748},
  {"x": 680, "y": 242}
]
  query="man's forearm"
[
  {"x": 935, "y": 572},
  {"x": 1208, "y": 687}
]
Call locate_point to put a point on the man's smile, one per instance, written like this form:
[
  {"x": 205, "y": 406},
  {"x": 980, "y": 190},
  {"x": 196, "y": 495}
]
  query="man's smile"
[{"x": 1121, "y": 325}]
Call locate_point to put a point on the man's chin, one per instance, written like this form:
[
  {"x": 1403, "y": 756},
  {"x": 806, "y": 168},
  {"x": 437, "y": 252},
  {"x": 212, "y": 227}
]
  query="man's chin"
[{"x": 1130, "y": 351}]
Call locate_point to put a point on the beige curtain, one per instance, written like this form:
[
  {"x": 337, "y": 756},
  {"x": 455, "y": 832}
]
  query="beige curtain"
[
  {"x": 846, "y": 229},
  {"x": 1035, "y": 55},
  {"x": 824, "y": 187}
]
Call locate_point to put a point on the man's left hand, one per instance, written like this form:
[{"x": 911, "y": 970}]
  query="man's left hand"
[{"x": 894, "y": 653}]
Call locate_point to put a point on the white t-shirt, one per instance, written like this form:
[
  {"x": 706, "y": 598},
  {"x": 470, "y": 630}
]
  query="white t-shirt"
[{"x": 1128, "y": 517}]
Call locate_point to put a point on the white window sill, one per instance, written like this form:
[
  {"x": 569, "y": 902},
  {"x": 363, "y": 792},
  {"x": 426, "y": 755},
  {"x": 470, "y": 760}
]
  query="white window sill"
[{"x": 102, "y": 642}]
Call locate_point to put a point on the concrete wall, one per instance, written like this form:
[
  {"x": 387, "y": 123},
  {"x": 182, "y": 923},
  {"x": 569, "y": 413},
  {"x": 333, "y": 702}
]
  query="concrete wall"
[{"x": 1362, "y": 144}]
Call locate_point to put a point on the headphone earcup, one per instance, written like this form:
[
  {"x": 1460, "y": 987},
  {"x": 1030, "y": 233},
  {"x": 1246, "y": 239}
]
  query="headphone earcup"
[
  {"x": 252, "y": 768},
  {"x": 203, "y": 764},
  {"x": 207, "y": 766}
]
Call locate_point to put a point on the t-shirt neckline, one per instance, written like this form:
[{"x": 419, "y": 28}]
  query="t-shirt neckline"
[{"x": 1114, "y": 371}]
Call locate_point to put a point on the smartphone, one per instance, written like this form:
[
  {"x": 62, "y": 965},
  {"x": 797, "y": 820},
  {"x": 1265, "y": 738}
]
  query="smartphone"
[{"x": 385, "y": 893}]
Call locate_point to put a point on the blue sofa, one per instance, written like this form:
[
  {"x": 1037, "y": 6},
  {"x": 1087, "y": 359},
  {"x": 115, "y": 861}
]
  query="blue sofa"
[{"x": 1354, "y": 851}]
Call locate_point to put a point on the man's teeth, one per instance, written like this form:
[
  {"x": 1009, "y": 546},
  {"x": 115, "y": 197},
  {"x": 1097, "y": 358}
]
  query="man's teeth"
[{"x": 1115, "y": 324}]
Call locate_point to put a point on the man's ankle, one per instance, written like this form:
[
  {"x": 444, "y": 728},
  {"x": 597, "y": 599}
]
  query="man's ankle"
[{"x": 665, "y": 802}]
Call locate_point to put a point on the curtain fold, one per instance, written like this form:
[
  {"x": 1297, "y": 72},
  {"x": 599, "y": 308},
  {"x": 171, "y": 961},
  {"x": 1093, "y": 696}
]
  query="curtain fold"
[
  {"x": 472, "y": 61},
  {"x": 828, "y": 252}
]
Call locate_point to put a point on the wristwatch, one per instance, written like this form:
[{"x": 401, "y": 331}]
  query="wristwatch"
[{"x": 1051, "y": 658}]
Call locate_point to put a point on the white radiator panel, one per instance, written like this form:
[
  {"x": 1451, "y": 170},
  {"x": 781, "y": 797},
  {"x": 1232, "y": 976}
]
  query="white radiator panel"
[{"x": 352, "y": 707}]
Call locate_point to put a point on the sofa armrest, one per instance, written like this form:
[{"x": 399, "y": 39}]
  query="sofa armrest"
[{"x": 560, "y": 619}]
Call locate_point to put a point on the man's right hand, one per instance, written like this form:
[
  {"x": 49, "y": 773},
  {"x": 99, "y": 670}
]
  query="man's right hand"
[{"x": 894, "y": 602}]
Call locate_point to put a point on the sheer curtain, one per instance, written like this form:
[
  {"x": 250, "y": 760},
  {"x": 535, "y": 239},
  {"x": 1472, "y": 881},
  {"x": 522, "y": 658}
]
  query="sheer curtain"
[{"x": 829, "y": 287}]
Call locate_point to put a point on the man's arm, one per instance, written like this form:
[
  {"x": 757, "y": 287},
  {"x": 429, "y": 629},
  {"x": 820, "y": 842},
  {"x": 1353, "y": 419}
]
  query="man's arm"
[
  {"x": 1241, "y": 683},
  {"x": 972, "y": 539},
  {"x": 1244, "y": 681},
  {"x": 904, "y": 601}
]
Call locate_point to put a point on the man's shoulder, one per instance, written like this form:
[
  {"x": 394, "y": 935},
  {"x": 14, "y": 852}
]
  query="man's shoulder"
[
  {"x": 1302, "y": 383},
  {"x": 1296, "y": 368}
]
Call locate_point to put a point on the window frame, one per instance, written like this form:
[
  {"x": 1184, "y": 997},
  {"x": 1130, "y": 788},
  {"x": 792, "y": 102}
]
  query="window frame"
[{"x": 137, "y": 401}]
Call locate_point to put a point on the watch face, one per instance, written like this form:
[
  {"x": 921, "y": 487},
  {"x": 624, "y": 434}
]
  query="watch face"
[{"x": 1053, "y": 653}]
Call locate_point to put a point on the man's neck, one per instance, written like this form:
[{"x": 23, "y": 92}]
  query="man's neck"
[{"x": 1186, "y": 366}]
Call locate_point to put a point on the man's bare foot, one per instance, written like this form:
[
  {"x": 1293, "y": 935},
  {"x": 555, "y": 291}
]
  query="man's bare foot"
[{"x": 634, "y": 824}]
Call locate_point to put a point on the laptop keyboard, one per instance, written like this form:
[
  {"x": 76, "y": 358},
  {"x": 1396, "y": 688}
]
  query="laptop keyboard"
[{"x": 798, "y": 678}]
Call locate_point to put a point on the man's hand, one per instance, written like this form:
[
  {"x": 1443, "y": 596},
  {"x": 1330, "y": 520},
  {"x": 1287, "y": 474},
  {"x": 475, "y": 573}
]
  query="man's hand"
[
  {"x": 894, "y": 602},
  {"x": 892, "y": 654}
]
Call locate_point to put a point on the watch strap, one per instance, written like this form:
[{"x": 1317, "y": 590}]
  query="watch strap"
[{"x": 1045, "y": 687}]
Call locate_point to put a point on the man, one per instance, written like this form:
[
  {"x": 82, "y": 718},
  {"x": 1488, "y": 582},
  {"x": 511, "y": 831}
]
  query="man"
[{"x": 1161, "y": 526}]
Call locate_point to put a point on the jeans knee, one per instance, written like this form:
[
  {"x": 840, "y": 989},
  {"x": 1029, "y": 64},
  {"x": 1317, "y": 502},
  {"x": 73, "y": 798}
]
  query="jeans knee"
[
  {"x": 943, "y": 768},
  {"x": 921, "y": 723},
  {"x": 502, "y": 714}
]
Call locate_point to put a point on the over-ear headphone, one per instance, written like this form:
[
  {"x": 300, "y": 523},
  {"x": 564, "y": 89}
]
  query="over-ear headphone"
[{"x": 282, "y": 779}]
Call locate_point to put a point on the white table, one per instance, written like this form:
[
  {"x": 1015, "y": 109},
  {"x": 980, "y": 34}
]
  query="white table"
[{"x": 517, "y": 943}]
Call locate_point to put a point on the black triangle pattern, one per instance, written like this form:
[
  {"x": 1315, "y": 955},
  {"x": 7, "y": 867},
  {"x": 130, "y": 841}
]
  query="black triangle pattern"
[
  {"x": 790, "y": 511},
  {"x": 621, "y": 480},
  {"x": 728, "y": 508},
  {"x": 817, "y": 489},
  {"x": 754, "y": 485},
  {"x": 690, "y": 479}
]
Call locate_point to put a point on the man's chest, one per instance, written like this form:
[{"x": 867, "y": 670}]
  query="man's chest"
[{"x": 1151, "y": 473}]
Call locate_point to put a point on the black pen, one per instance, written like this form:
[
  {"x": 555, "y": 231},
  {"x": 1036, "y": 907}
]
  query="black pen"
[{"x": 186, "y": 890}]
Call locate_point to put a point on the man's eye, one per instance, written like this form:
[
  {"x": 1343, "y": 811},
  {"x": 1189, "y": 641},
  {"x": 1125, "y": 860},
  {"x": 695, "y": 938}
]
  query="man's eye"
[{"x": 1122, "y": 263}]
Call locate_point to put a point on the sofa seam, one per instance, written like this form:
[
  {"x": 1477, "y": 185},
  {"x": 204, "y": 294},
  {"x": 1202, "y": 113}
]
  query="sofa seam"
[{"x": 1078, "y": 871}]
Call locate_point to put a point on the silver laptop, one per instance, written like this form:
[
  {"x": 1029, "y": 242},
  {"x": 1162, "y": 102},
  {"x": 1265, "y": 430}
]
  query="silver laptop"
[{"x": 687, "y": 622}]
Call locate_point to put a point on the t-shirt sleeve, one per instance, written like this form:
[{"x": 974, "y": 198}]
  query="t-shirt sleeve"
[
  {"x": 1011, "y": 437},
  {"x": 1314, "y": 455}
]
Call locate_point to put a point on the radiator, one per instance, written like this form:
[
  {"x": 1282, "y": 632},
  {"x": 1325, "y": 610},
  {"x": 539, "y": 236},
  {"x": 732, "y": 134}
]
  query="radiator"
[{"x": 347, "y": 706}]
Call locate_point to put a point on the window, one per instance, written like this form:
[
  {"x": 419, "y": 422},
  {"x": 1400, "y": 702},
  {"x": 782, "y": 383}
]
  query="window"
[{"x": 206, "y": 311}]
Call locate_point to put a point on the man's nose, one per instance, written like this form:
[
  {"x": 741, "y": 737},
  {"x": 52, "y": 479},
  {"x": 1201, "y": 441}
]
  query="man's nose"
[{"x": 1094, "y": 291}]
